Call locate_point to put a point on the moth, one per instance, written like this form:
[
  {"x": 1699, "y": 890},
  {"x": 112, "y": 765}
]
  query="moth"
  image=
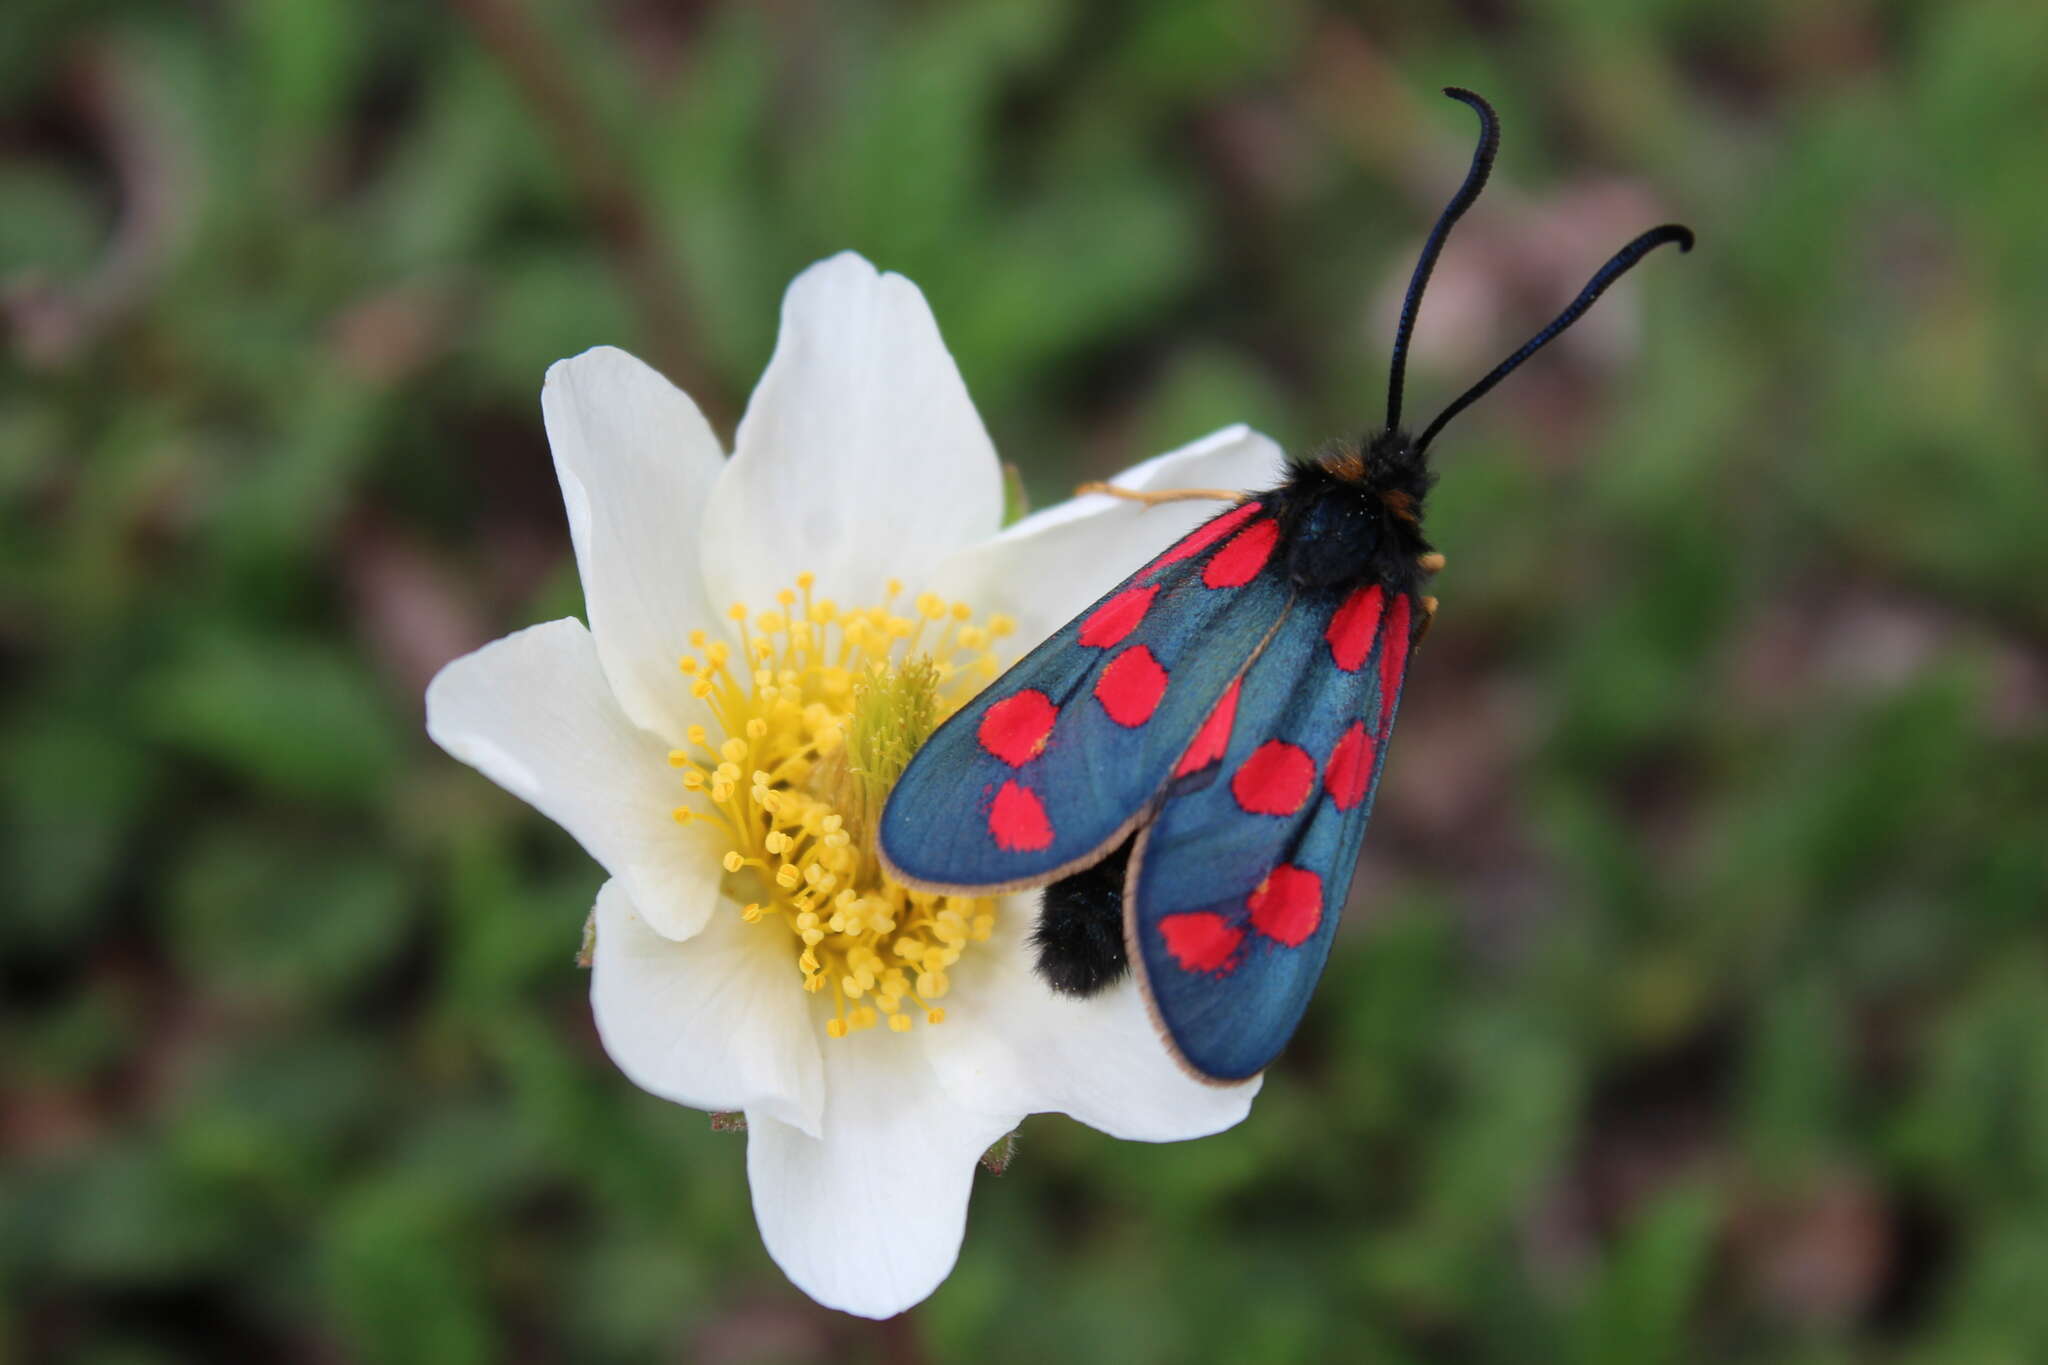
[{"x": 1188, "y": 766}]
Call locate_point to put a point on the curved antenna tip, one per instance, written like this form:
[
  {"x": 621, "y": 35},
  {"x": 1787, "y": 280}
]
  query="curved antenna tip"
[
  {"x": 1617, "y": 265},
  {"x": 1658, "y": 236},
  {"x": 1475, "y": 180}
]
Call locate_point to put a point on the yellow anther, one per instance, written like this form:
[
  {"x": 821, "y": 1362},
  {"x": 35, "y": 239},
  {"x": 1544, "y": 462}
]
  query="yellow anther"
[
  {"x": 785, "y": 710},
  {"x": 894, "y": 588},
  {"x": 1000, "y": 626}
]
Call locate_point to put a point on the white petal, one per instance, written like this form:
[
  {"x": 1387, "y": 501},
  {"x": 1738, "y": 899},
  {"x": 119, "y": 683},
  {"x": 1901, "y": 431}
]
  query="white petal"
[
  {"x": 533, "y": 713},
  {"x": 637, "y": 462},
  {"x": 861, "y": 457},
  {"x": 1009, "y": 1042},
  {"x": 1047, "y": 567},
  {"x": 867, "y": 1218},
  {"x": 719, "y": 1022}
]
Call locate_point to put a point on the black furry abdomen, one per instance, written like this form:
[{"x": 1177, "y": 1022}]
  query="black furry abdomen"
[{"x": 1080, "y": 935}]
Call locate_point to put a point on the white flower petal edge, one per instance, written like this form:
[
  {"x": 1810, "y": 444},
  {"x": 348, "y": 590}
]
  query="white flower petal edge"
[
  {"x": 637, "y": 462},
  {"x": 534, "y": 713},
  {"x": 1017, "y": 1045},
  {"x": 1046, "y": 568},
  {"x": 867, "y": 1217},
  {"x": 716, "y": 1023},
  {"x": 860, "y": 448}
]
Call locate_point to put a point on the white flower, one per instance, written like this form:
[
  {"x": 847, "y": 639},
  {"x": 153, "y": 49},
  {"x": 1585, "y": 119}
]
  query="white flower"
[{"x": 749, "y": 955}]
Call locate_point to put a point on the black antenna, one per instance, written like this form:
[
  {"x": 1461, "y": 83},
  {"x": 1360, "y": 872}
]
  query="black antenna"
[
  {"x": 1620, "y": 265},
  {"x": 1475, "y": 181}
]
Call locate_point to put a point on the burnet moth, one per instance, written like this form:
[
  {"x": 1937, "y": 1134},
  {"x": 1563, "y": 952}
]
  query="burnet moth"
[{"x": 1187, "y": 766}]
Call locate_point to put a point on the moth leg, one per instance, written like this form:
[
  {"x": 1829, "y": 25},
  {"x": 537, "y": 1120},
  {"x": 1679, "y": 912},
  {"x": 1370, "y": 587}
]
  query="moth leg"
[
  {"x": 1428, "y": 616},
  {"x": 1433, "y": 562},
  {"x": 1152, "y": 498}
]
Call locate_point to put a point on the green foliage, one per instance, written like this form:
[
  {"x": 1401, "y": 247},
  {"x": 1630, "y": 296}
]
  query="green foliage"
[{"x": 1692, "y": 1005}]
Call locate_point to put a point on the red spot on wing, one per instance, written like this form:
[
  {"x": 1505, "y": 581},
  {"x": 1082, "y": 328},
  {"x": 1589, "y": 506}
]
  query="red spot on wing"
[
  {"x": 1131, "y": 686},
  {"x": 1016, "y": 819},
  {"x": 1119, "y": 616},
  {"x": 1275, "y": 780},
  {"x": 1352, "y": 628},
  {"x": 1349, "y": 771},
  {"x": 1214, "y": 736},
  {"x": 1203, "y": 537},
  {"x": 1015, "y": 728},
  {"x": 1288, "y": 905},
  {"x": 1239, "y": 562},
  {"x": 1393, "y": 662},
  {"x": 1201, "y": 940}
]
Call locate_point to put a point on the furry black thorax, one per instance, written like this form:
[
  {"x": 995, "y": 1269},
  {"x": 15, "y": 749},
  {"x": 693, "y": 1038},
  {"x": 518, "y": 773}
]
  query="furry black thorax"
[{"x": 1354, "y": 516}]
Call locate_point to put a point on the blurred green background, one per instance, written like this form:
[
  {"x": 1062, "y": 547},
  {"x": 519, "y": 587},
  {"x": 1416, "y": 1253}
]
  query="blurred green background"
[{"x": 1694, "y": 1002}]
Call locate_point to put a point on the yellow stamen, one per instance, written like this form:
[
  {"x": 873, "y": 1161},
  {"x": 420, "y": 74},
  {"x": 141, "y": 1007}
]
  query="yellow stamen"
[{"x": 811, "y": 724}]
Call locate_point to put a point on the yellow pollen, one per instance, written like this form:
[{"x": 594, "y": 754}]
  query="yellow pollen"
[{"x": 812, "y": 719}]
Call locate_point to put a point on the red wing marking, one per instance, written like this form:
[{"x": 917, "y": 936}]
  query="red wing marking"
[
  {"x": 1204, "y": 537},
  {"x": 1131, "y": 686},
  {"x": 1288, "y": 905},
  {"x": 1393, "y": 661},
  {"x": 1015, "y": 728},
  {"x": 1016, "y": 819},
  {"x": 1201, "y": 941},
  {"x": 1352, "y": 628},
  {"x": 1239, "y": 562},
  {"x": 1214, "y": 737},
  {"x": 1349, "y": 771},
  {"x": 1119, "y": 616},
  {"x": 1275, "y": 780}
]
